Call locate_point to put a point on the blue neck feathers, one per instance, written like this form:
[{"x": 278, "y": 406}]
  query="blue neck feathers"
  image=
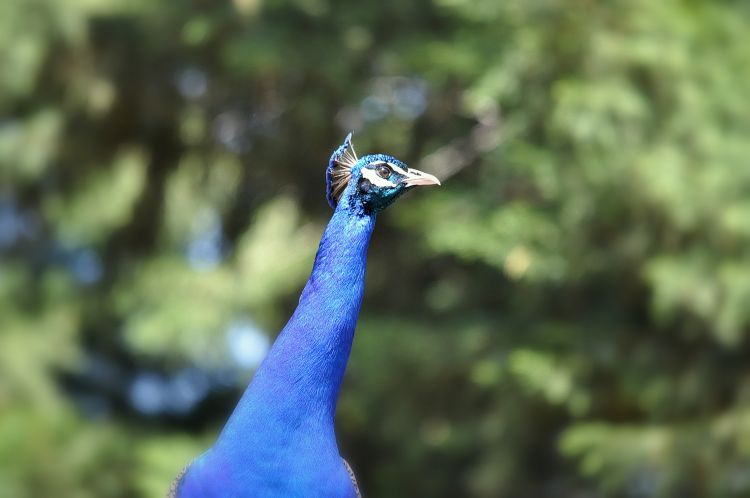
[
  {"x": 300, "y": 378},
  {"x": 280, "y": 440}
]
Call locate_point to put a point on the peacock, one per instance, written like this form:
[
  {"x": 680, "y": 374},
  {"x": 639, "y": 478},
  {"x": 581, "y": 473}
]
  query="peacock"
[{"x": 280, "y": 439}]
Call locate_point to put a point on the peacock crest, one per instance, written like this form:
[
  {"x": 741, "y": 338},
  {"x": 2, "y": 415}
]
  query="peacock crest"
[{"x": 339, "y": 170}]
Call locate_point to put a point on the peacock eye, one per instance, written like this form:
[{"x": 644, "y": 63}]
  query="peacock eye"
[
  {"x": 384, "y": 171},
  {"x": 364, "y": 185}
]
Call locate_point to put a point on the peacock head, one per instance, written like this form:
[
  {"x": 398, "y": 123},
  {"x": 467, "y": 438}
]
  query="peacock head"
[{"x": 372, "y": 182}]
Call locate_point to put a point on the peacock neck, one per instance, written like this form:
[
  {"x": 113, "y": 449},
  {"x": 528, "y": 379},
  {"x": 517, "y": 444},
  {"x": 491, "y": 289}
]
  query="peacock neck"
[{"x": 296, "y": 388}]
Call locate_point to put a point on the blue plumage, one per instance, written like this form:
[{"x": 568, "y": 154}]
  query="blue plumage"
[{"x": 280, "y": 440}]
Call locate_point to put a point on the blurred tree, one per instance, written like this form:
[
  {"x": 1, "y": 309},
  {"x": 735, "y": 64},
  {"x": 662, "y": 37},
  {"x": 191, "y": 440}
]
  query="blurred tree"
[{"x": 569, "y": 313}]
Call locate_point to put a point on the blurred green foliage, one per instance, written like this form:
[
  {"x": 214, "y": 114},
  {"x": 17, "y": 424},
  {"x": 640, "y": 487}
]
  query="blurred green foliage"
[{"x": 568, "y": 316}]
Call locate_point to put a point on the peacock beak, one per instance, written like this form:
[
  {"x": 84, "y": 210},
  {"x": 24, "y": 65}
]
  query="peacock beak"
[{"x": 415, "y": 177}]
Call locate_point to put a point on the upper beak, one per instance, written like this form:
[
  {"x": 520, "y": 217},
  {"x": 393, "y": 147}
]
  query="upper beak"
[{"x": 416, "y": 177}]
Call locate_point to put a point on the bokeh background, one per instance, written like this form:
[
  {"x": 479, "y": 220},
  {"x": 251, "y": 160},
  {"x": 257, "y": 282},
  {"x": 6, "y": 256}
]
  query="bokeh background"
[{"x": 568, "y": 316}]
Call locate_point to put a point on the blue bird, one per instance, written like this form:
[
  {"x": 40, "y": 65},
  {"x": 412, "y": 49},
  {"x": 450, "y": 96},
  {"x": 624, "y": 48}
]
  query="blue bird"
[{"x": 280, "y": 440}]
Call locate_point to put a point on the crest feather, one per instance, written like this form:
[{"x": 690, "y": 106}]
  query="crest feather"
[{"x": 339, "y": 170}]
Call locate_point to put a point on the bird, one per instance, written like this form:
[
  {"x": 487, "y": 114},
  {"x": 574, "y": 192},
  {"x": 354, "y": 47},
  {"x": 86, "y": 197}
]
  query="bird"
[{"x": 280, "y": 439}]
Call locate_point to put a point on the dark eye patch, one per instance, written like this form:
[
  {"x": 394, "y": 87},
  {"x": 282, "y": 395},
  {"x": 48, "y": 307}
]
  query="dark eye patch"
[{"x": 364, "y": 185}]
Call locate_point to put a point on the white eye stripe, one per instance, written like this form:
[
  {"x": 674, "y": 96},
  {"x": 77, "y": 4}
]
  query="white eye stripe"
[
  {"x": 398, "y": 168},
  {"x": 393, "y": 166},
  {"x": 375, "y": 179}
]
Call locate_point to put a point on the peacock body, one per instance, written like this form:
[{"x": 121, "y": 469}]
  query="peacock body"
[{"x": 280, "y": 439}]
